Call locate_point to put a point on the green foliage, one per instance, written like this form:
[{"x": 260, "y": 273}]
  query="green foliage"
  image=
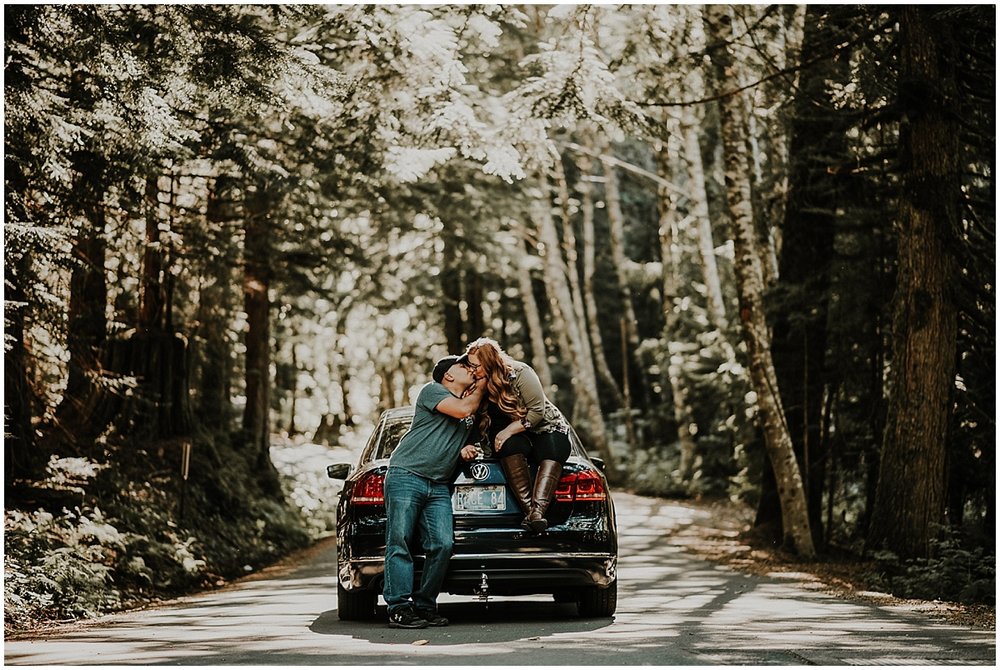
[
  {"x": 302, "y": 468},
  {"x": 140, "y": 544},
  {"x": 954, "y": 572},
  {"x": 654, "y": 472},
  {"x": 59, "y": 566},
  {"x": 718, "y": 397}
]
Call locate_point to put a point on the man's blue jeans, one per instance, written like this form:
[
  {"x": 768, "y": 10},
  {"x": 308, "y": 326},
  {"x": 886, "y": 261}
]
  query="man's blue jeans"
[{"x": 414, "y": 504}]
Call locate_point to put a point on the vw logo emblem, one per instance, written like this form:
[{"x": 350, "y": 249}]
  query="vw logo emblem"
[{"x": 480, "y": 471}]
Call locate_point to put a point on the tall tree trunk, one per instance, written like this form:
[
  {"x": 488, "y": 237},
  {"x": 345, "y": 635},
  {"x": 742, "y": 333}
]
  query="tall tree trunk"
[
  {"x": 155, "y": 356},
  {"x": 770, "y": 188},
  {"x": 670, "y": 253},
  {"x": 809, "y": 201},
  {"x": 560, "y": 331},
  {"x": 462, "y": 296},
  {"x": 151, "y": 290},
  {"x": 787, "y": 56},
  {"x": 215, "y": 305},
  {"x": 451, "y": 296},
  {"x": 214, "y": 369},
  {"x": 569, "y": 252},
  {"x": 909, "y": 501},
  {"x": 87, "y": 303},
  {"x": 257, "y": 277},
  {"x": 338, "y": 413},
  {"x": 699, "y": 208},
  {"x": 569, "y": 247},
  {"x": 616, "y": 223},
  {"x": 766, "y": 244},
  {"x": 292, "y": 430},
  {"x": 586, "y": 190},
  {"x": 592, "y": 352},
  {"x": 475, "y": 321},
  {"x": 21, "y": 458},
  {"x": 557, "y": 316},
  {"x": 387, "y": 390},
  {"x": 539, "y": 353},
  {"x": 585, "y": 379},
  {"x": 713, "y": 169},
  {"x": 795, "y": 517}
]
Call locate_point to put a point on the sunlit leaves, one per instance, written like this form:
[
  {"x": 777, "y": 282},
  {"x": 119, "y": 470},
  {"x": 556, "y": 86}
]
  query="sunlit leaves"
[{"x": 409, "y": 164}]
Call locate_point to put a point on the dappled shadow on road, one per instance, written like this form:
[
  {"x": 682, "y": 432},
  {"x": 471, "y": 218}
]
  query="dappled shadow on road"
[
  {"x": 495, "y": 621},
  {"x": 724, "y": 617},
  {"x": 673, "y": 609}
]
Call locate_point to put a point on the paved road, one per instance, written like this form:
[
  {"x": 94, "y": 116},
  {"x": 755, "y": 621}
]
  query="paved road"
[{"x": 674, "y": 609}]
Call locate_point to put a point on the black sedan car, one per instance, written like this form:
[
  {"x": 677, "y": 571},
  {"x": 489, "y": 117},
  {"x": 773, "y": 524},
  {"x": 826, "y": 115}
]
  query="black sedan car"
[{"x": 574, "y": 560}]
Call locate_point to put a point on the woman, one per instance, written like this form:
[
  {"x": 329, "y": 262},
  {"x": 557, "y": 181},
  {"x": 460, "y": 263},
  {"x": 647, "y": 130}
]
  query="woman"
[{"x": 521, "y": 422}]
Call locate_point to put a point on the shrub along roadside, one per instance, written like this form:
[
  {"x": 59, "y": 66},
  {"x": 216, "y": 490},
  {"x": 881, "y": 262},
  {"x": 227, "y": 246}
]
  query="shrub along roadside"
[
  {"x": 96, "y": 538},
  {"x": 952, "y": 573}
]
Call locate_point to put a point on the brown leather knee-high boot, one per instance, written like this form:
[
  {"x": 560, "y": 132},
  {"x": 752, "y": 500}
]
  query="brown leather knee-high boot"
[
  {"x": 515, "y": 468},
  {"x": 546, "y": 480}
]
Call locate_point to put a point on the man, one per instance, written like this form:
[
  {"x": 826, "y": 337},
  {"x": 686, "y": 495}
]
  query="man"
[{"x": 418, "y": 492}]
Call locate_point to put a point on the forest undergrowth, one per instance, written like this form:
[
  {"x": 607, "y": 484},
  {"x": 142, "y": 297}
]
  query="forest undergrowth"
[{"x": 91, "y": 539}]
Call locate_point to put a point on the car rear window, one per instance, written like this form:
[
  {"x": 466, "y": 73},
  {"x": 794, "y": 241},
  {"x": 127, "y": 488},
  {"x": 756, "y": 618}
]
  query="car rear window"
[{"x": 390, "y": 436}]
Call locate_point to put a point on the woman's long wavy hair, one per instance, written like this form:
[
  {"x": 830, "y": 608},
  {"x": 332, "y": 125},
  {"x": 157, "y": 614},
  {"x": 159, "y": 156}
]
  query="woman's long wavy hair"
[{"x": 498, "y": 366}]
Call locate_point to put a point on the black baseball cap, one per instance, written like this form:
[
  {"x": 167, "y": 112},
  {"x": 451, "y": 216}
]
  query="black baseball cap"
[{"x": 443, "y": 365}]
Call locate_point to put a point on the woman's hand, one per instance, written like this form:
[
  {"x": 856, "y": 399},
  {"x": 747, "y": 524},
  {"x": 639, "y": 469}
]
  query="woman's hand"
[
  {"x": 510, "y": 431},
  {"x": 502, "y": 437}
]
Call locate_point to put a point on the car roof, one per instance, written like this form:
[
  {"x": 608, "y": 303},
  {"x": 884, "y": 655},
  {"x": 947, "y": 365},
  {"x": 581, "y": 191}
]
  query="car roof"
[{"x": 396, "y": 413}]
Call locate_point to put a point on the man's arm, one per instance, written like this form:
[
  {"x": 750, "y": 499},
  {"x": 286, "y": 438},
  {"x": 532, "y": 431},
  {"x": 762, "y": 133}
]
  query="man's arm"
[{"x": 459, "y": 408}]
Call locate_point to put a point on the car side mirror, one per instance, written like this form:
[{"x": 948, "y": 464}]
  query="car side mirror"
[
  {"x": 338, "y": 470},
  {"x": 599, "y": 462}
]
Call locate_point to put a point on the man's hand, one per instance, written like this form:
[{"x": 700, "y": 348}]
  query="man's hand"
[{"x": 470, "y": 452}]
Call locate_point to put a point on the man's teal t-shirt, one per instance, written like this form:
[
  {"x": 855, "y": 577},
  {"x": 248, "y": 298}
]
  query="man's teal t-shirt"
[{"x": 431, "y": 447}]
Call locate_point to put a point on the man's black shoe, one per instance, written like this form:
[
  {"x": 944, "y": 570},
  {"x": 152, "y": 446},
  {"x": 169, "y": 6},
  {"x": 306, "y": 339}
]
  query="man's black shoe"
[
  {"x": 432, "y": 617},
  {"x": 405, "y": 617}
]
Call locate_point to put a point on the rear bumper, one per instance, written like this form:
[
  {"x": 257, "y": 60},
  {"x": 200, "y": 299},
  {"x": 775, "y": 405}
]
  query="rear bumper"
[{"x": 503, "y": 574}]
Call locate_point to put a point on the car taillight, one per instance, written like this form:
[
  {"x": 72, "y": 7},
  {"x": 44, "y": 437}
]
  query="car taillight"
[
  {"x": 369, "y": 490},
  {"x": 589, "y": 486},
  {"x": 586, "y": 485}
]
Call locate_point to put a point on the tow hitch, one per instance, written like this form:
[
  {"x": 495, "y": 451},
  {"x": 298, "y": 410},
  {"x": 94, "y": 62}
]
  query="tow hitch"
[{"x": 483, "y": 590}]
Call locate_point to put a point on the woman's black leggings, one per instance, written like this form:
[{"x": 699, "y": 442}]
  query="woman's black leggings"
[{"x": 538, "y": 447}]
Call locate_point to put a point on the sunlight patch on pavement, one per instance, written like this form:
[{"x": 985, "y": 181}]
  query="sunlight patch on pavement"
[{"x": 798, "y": 576}]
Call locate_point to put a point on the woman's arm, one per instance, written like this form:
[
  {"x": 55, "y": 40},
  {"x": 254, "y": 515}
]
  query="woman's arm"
[{"x": 529, "y": 387}]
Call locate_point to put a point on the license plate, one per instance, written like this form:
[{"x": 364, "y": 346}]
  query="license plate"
[{"x": 479, "y": 499}]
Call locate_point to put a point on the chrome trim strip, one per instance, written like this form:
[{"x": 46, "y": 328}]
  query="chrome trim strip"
[
  {"x": 545, "y": 554},
  {"x": 479, "y": 557}
]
